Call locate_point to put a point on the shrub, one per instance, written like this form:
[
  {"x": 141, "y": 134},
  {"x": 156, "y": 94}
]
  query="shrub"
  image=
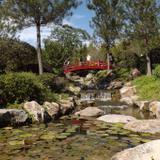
[
  {"x": 20, "y": 87},
  {"x": 47, "y": 79},
  {"x": 156, "y": 71},
  {"x": 123, "y": 73}
]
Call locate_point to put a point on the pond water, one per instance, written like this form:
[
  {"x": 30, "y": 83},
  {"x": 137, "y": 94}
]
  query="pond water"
[{"x": 71, "y": 138}]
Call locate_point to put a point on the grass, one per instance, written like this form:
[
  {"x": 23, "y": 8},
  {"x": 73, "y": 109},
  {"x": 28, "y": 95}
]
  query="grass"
[{"x": 148, "y": 88}]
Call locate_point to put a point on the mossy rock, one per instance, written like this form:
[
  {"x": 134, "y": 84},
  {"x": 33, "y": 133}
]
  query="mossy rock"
[{"x": 61, "y": 137}]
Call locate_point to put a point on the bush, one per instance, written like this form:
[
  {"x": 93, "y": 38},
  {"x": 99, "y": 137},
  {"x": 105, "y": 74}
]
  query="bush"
[
  {"x": 47, "y": 79},
  {"x": 20, "y": 87},
  {"x": 156, "y": 71},
  {"x": 123, "y": 73}
]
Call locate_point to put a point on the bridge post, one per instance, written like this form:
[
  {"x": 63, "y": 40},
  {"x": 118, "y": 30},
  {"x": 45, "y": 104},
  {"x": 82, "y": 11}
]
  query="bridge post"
[{"x": 108, "y": 61}]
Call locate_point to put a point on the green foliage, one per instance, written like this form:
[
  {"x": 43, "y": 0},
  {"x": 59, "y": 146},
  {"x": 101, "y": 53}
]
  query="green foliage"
[
  {"x": 156, "y": 71},
  {"x": 20, "y": 87},
  {"x": 143, "y": 25},
  {"x": 64, "y": 44},
  {"x": 108, "y": 20},
  {"x": 122, "y": 73},
  {"x": 37, "y": 13},
  {"x": 147, "y": 88},
  {"x": 47, "y": 79},
  {"x": 16, "y": 55}
]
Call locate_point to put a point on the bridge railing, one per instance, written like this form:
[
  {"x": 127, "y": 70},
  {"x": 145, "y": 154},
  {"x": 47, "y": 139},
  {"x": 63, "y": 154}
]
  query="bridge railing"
[{"x": 86, "y": 65}]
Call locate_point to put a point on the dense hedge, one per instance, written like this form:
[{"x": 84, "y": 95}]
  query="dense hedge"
[
  {"x": 156, "y": 71},
  {"x": 20, "y": 87}
]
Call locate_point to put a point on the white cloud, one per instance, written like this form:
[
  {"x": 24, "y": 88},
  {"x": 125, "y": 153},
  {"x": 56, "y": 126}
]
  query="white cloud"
[
  {"x": 29, "y": 34},
  {"x": 67, "y": 22}
]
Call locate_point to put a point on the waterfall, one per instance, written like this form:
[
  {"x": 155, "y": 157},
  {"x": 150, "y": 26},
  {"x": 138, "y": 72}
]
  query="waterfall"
[{"x": 92, "y": 95}]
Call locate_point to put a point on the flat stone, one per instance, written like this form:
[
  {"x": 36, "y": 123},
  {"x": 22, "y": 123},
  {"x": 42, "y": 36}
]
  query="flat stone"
[
  {"x": 116, "y": 118},
  {"x": 147, "y": 151},
  {"x": 144, "y": 126},
  {"x": 90, "y": 112}
]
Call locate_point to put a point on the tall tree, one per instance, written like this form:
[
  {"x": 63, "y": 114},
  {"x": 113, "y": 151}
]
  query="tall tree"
[
  {"x": 108, "y": 20},
  {"x": 72, "y": 40},
  {"x": 143, "y": 24},
  {"x": 65, "y": 43},
  {"x": 38, "y": 13}
]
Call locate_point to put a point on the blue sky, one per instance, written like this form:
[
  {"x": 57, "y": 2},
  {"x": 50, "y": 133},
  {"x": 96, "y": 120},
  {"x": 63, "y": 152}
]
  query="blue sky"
[{"x": 80, "y": 19}]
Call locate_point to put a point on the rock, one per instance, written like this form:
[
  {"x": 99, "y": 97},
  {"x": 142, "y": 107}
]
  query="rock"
[
  {"x": 146, "y": 126},
  {"x": 147, "y": 151},
  {"x": 127, "y": 92},
  {"x": 127, "y": 100},
  {"x": 66, "y": 106},
  {"x": 89, "y": 76},
  {"x": 135, "y": 73},
  {"x": 143, "y": 105},
  {"x": 90, "y": 112},
  {"x": 75, "y": 90},
  {"x": 12, "y": 116},
  {"x": 154, "y": 107},
  {"x": 115, "y": 85},
  {"x": 35, "y": 110},
  {"x": 53, "y": 109},
  {"x": 116, "y": 118}
]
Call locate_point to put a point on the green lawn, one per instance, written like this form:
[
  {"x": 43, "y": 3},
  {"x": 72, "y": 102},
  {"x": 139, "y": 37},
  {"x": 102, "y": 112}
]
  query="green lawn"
[{"x": 148, "y": 88}]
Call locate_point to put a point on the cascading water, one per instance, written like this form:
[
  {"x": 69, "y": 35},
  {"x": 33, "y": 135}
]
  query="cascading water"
[{"x": 95, "y": 95}]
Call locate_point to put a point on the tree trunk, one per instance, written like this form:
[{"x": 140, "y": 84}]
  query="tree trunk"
[
  {"x": 149, "y": 69},
  {"x": 39, "y": 51}
]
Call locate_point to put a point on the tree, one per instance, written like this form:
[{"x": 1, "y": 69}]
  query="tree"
[
  {"x": 16, "y": 55},
  {"x": 7, "y": 29},
  {"x": 65, "y": 43},
  {"x": 108, "y": 20},
  {"x": 142, "y": 25},
  {"x": 72, "y": 39},
  {"x": 38, "y": 13}
]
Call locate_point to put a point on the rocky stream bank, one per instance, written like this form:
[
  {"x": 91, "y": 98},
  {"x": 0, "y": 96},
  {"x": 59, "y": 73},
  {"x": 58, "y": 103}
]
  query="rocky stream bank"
[{"x": 86, "y": 126}]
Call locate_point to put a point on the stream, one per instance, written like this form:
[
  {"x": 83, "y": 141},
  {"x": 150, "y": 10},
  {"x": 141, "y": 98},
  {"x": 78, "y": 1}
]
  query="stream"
[{"x": 74, "y": 138}]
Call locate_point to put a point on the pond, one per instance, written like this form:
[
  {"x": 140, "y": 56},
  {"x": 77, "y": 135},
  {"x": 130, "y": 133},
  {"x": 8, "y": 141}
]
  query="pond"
[{"x": 71, "y": 138}]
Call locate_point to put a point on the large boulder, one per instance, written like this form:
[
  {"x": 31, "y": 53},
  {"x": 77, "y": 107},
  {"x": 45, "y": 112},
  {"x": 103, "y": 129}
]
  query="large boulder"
[
  {"x": 35, "y": 110},
  {"x": 73, "y": 89},
  {"x": 154, "y": 107},
  {"x": 147, "y": 151},
  {"x": 143, "y": 105},
  {"x": 116, "y": 118},
  {"x": 66, "y": 106},
  {"x": 12, "y": 116},
  {"x": 90, "y": 112},
  {"x": 53, "y": 109},
  {"x": 127, "y": 91},
  {"x": 144, "y": 126}
]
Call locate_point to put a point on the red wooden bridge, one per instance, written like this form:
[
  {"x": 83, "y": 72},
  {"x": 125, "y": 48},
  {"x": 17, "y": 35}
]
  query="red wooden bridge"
[{"x": 88, "y": 65}]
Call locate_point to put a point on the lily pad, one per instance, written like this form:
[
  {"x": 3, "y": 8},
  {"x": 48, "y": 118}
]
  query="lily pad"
[{"x": 15, "y": 143}]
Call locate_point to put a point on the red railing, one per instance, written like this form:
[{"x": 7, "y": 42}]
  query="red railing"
[{"x": 88, "y": 65}]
